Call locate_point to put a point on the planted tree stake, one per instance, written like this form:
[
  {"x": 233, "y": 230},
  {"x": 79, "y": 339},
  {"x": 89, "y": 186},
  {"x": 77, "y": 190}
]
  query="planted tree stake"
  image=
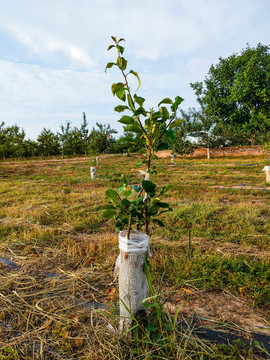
[{"x": 133, "y": 286}]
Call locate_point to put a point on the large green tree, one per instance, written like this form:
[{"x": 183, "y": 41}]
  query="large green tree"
[{"x": 236, "y": 92}]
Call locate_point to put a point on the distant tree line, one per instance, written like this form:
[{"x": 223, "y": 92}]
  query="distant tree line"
[
  {"x": 65, "y": 142},
  {"x": 234, "y": 104}
]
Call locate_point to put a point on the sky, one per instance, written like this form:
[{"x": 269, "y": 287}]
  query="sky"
[{"x": 53, "y": 53}]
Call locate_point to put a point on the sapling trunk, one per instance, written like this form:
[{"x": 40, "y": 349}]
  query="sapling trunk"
[{"x": 129, "y": 228}]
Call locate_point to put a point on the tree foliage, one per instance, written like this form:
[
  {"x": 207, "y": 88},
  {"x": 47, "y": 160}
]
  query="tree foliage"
[
  {"x": 236, "y": 92},
  {"x": 67, "y": 141}
]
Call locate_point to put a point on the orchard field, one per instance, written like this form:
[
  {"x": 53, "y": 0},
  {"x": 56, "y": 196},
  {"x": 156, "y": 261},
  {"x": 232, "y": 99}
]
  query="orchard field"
[{"x": 58, "y": 293}]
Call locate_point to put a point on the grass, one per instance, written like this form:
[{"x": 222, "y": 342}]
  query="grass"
[{"x": 216, "y": 239}]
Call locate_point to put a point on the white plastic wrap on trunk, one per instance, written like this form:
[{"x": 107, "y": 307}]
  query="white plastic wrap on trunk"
[
  {"x": 93, "y": 172},
  {"x": 266, "y": 169},
  {"x": 133, "y": 286}
]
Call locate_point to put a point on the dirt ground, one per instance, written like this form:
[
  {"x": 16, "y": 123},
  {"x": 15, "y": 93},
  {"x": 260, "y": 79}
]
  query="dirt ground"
[
  {"x": 220, "y": 306},
  {"x": 209, "y": 305},
  {"x": 233, "y": 151}
]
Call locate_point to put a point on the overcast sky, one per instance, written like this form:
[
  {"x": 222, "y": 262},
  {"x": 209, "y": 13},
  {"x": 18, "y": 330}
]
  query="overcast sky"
[{"x": 53, "y": 53}]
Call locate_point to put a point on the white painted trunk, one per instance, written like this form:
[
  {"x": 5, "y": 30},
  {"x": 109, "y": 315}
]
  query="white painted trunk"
[
  {"x": 133, "y": 286},
  {"x": 266, "y": 169},
  {"x": 93, "y": 172},
  {"x": 208, "y": 153}
]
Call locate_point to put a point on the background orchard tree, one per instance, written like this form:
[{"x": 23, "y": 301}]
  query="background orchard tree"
[
  {"x": 3, "y": 141},
  {"x": 101, "y": 139},
  {"x": 48, "y": 143},
  {"x": 84, "y": 132},
  {"x": 63, "y": 136},
  {"x": 12, "y": 141},
  {"x": 236, "y": 93}
]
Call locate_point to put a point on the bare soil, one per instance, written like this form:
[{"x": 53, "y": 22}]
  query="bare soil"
[
  {"x": 221, "y": 306},
  {"x": 233, "y": 151}
]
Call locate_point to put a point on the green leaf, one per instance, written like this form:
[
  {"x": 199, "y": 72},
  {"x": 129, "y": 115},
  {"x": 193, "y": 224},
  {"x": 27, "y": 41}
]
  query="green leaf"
[
  {"x": 109, "y": 214},
  {"x": 126, "y": 202},
  {"x": 162, "y": 205},
  {"x": 120, "y": 49},
  {"x": 137, "y": 76},
  {"x": 139, "y": 100},
  {"x": 112, "y": 196},
  {"x": 156, "y": 116},
  {"x": 159, "y": 222},
  {"x": 165, "y": 189},
  {"x": 121, "y": 94},
  {"x": 176, "y": 123},
  {"x": 122, "y": 63},
  {"x": 147, "y": 125},
  {"x": 126, "y": 120},
  {"x": 134, "y": 128},
  {"x": 116, "y": 87},
  {"x": 109, "y": 65},
  {"x": 139, "y": 200},
  {"x": 149, "y": 187},
  {"x": 147, "y": 303},
  {"x": 153, "y": 210},
  {"x": 170, "y": 135},
  {"x": 165, "y": 101},
  {"x": 121, "y": 108},
  {"x": 178, "y": 100},
  {"x": 140, "y": 111},
  {"x": 121, "y": 189},
  {"x": 136, "y": 188},
  {"x": 119, "y": 226},
  {"x": 110, "y": 47},
  {"x": 165, "y": 113},
  {"x": 130, "y": 102},
  {"x": 128, "y": 193},
  {"x": 107, "y": 207},
  {"x": 114, "y": 38}
]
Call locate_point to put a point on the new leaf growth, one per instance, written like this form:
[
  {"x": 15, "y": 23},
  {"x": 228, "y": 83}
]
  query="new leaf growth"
[{"x": 153, "y": 129}]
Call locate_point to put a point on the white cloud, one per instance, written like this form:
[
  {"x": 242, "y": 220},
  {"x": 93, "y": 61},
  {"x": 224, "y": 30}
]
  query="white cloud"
[{"x": 57, "y": 71}]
